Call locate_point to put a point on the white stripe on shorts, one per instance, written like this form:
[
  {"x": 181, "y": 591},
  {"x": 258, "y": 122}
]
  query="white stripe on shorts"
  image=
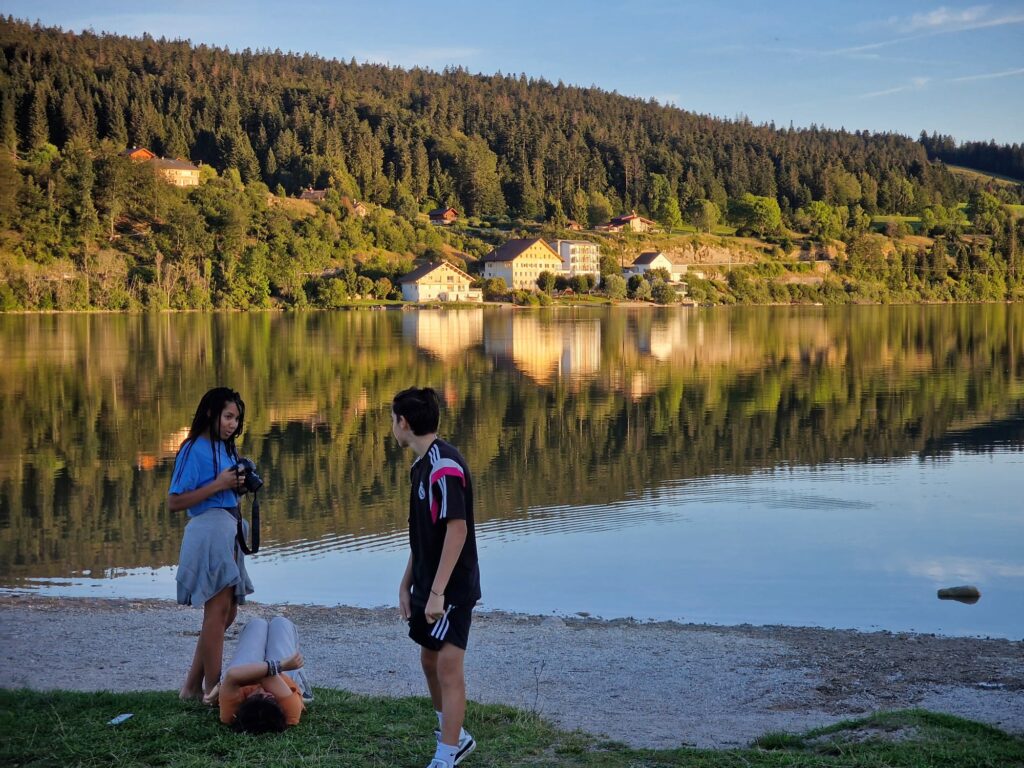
[{"x": 441, "y": 626}]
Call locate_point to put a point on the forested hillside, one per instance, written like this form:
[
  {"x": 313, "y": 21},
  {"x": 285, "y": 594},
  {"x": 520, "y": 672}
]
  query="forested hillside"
[
  {"x": 83, "y": 226},
  {"x": 1001, "y": 159}
]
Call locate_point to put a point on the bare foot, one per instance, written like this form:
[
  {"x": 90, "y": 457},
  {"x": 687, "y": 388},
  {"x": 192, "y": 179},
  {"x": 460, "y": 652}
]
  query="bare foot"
[
  {"x": 213, "y": 697},
  {"x": 190, "y": 694}
]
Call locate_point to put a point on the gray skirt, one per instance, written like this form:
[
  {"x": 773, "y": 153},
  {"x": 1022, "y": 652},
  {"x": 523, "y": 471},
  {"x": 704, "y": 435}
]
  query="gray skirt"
[{"x": 210, "y": 559}]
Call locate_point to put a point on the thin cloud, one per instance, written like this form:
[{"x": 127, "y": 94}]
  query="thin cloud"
[
  {"x": 919, "y": 83},
  {"x": 916, "y": 84},
  {"x": 943, "y": 18},
  {"x": 810, "y": 52},
  {"x": 988, "y": 76},
  {"x": 944, "y": 24}
]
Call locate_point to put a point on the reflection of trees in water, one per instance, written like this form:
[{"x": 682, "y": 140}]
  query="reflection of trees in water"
[{"x": 551, "y": 408}]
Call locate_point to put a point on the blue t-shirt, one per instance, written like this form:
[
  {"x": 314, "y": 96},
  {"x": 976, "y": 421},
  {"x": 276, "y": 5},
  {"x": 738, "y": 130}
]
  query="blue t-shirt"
[{"x": 194, "y": 468}]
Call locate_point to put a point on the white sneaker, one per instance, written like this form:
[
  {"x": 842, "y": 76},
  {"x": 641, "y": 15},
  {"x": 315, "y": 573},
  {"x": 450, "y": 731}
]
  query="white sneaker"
[
  {"x": 466, "y": 745},
  {"x": 439, "y": 763}
]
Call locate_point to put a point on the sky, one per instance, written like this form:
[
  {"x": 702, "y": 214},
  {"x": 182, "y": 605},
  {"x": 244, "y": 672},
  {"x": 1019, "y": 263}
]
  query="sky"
[{"x": 954, "y": 68}]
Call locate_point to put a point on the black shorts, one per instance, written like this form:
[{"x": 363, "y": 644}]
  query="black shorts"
[{"x": 452, "y": 628}]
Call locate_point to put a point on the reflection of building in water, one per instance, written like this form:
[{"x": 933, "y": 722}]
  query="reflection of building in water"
[
  {"x": 168, "y": 447},
  {"x": 305, "y": 411},
  {"x": 665, "y": 337},
  {"x": 581, "y": 349},
  {"x": 682, "y": 338},
  {"x": 545, "y": 350},
  {"x": 639, "y": 385},
  {"x": 444, "y": 333}
]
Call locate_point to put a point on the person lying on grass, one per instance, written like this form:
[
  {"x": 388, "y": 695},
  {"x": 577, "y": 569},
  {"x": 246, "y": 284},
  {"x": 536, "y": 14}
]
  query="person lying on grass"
[{"x": 256, "y": 696}]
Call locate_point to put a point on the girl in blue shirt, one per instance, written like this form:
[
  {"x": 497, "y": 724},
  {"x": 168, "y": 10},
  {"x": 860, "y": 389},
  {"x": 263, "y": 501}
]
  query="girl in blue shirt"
[{"x": 211, "y": 566}]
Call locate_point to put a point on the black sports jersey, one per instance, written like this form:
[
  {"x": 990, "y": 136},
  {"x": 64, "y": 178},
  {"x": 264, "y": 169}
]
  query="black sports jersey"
[{"x": 442, "y": 490}]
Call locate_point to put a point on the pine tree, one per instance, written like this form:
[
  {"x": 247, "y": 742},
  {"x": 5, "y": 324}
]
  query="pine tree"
[{"x": 38, "y": 121}]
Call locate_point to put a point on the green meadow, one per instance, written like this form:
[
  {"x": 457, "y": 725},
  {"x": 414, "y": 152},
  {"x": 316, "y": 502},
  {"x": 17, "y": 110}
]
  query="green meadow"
[{"x": 65, "y": 730}]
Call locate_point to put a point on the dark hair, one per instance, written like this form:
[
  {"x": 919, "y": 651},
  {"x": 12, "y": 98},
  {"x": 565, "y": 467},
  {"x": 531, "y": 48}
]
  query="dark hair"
[
  {"x": 207, "y": 422},
  {"x": 208, "y": 413},
  {"x": 420, "y": 407},
  {"x": 259, "y": 714}
]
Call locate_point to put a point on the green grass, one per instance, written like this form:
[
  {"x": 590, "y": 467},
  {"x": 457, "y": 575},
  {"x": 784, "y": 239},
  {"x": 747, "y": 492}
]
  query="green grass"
[
  {"x": 581, "y": 298},
  {"x": 886, "y": 218},
  {"x": 879, "y": 222},
  {"x": 63, "y": 730},
  {"x": 371, "y": 303},
  {"x": 984, "y": 176}
]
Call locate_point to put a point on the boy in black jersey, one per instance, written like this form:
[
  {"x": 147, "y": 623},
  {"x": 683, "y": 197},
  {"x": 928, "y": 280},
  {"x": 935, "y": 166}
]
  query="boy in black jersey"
[{"x": 441, "y": 583}]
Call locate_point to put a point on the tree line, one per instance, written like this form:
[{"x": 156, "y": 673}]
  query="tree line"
[
  {"x": 1002, "y": 159},
  {"x": 81, "y": 226}
]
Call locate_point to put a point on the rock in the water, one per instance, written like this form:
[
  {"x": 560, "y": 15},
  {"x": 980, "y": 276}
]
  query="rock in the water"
[{"x": 965, "y": 594}]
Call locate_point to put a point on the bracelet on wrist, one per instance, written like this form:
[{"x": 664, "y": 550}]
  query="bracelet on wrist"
[{"x": 437, "y": 594}]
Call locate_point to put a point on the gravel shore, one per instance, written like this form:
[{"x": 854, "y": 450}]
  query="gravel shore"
[{"x": 646, "y": 684}]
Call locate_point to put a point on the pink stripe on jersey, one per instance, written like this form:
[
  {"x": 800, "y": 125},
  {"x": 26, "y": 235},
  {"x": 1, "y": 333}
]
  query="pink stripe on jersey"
[
  {"x": 440, "y": 469},
  {"x": 455, "y": 471}
]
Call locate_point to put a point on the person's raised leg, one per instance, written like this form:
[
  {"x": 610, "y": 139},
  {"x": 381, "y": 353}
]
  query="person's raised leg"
[
  {"x": 252, "y": 643},
  {"x": 211, "y": 637},
  {"x": 283, "y": 642},
  {"x": 282, "y": 638}
]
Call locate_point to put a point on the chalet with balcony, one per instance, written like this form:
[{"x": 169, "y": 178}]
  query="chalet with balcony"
[{"x": 438, "y": 282}]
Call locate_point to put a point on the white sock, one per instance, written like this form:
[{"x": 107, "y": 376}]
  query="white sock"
[
  {"x": 440, "y": 726},
  {"x": 446, "y": 753}
]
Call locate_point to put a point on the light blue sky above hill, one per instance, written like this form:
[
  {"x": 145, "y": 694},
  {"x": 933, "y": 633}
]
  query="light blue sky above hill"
[{"x": 955, "y": 68}]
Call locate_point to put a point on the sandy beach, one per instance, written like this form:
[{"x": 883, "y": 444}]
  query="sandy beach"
[{"x": 646, "y": 684}]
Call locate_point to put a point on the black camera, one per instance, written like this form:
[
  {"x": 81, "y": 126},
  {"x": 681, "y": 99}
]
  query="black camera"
[{"x": 253, "y": 482}]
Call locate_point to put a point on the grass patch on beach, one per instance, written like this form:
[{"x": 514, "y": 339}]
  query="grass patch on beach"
[{"x": 43, "y": 729}]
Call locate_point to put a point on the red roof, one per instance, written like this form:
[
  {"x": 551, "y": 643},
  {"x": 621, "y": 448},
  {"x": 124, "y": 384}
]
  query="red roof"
[{"x": 138, "y": 153}]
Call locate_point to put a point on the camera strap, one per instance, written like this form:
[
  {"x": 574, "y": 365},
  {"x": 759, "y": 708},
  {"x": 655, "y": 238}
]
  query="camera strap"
[{"x": 255, "y": 530}]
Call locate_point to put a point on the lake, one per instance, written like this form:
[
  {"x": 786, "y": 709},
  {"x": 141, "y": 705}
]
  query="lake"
[{"x": 809, "y": 466}]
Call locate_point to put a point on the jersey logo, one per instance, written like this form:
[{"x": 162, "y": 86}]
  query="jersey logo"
[{"x": 422, "y": 491}]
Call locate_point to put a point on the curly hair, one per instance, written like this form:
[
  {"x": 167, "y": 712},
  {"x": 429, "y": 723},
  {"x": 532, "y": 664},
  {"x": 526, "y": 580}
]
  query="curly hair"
[{"x": 259, "y": 714}]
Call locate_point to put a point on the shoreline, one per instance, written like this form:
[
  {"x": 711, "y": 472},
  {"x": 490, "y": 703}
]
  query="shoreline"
[
  {"x": 650, "y": 684},
  {"x": 407, "y": 306}
]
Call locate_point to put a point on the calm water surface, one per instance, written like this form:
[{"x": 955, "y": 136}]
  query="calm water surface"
[{"x": 811, "y": 466}]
